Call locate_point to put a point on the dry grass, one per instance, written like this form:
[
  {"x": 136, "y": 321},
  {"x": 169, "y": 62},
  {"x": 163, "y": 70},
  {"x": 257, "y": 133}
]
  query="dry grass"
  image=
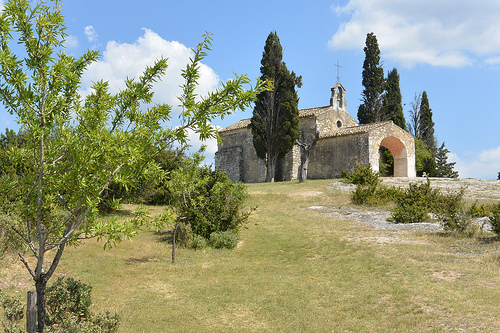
[{"x": 294, "y": 271}]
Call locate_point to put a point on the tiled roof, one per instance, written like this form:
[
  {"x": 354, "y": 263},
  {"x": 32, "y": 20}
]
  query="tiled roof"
[
  {"x": 238, "y": 125},
  {"x": 302, "y": 113},
  {"x": 355, "y": 129}
]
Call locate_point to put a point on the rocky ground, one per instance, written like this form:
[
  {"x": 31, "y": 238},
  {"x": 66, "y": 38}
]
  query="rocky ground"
[{"x": 475, "y": 189}]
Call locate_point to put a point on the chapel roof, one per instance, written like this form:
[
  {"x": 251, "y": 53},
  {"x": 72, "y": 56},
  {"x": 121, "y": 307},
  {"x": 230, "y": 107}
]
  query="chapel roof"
[
  {"x": 355, "y": 129},
  {"x": 244, "y": 123}
]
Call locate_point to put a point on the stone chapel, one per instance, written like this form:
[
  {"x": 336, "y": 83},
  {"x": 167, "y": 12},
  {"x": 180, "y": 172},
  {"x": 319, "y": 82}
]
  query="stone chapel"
[{"x": 342, "y": 144}]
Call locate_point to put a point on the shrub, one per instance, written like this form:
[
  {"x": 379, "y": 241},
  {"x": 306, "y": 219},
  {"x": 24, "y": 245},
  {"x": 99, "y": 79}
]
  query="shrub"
[
  {"x": 9, "y": 239},
  {"x": 183, "y": 234},
  {"x": 223, "y": 240},
  {"x": 415, "y": 203},
  {"x": 495, "y": 218},
  {"x": 13, "y": 312},
  {"x": 198, "y": 242},
  {"x": 362, "y": 175},
  {"x": 455, "y": 214},
  {"x": 68, "y": 309}
]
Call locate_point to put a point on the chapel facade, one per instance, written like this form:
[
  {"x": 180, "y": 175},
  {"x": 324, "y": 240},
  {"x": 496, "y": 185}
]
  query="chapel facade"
[{"x": 341, "y": 145}]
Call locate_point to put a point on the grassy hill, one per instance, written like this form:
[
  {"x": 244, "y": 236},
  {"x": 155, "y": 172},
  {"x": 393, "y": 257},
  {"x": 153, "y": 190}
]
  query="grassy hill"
[{"x": 294, "y": 270}]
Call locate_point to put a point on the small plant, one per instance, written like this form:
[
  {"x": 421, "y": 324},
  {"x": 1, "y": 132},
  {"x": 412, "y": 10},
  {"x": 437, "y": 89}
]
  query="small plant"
[
  {"x": 198, "y": 242},
  {"x": 495, "y": 218},
  {"x": 13, "y": 312},
  {"x": 415, "y": 203},
  {"x": 455, "y": 214},
  {"x": 362, "y": 175},
  {"x": 183, "y": 234},
  {"x": 68, "y": 309},
  {"x": 223, "y": 240}
]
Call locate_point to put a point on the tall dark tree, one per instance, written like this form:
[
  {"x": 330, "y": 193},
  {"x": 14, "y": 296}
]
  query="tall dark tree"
[
  {"x": 392, "y": 108},
  {"x": 426, "y": 125},
  {"x": 373, "y": 81},
  {"x": 275, "y": 120},
  {"x": 443, "y": 168},
  {"x": 426, "y": 131}
]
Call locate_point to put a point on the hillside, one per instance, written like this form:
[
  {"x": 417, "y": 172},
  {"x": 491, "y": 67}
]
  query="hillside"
[{"x": 295, "y": 270}]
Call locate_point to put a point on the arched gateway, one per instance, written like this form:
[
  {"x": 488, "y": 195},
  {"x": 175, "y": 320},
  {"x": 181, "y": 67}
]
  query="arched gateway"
[{"x": 342, "y": 144}]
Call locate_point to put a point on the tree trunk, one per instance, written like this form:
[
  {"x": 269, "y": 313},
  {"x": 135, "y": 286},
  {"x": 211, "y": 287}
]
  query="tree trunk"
[
  {"x": 271, "y": 170},
  {"x": 41, "y": 286},
  {"x": 304, "y": 162},
  {"x": 305, "y": 151},
  {"x": 174, "y": 235}
]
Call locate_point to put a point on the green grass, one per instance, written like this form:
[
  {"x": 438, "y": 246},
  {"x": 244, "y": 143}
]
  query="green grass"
[{"x": 296, "y": 271}]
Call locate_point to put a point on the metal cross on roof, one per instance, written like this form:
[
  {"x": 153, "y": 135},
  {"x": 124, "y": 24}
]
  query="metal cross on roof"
[{"x": 338, "y": 71}]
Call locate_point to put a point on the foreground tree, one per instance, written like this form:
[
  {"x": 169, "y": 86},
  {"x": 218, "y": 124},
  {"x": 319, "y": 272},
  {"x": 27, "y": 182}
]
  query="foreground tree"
[
  {"x": 275, "y": 120},
  {"x": 443, "y": 167},
  {"x": 392, "y": 108},
  {"x": 373, "y": 81},
  {"x": 76, "y": 147}
]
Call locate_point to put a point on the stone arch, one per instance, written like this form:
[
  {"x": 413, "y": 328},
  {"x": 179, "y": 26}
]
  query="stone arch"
[{"x": 400, "y": 154}]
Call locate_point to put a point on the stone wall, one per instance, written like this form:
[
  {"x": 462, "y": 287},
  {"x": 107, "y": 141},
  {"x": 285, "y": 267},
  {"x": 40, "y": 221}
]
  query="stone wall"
[{"x": 333, "y": 154}]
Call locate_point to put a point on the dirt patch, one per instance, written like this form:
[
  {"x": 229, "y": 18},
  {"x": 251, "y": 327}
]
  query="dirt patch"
[
  {"x": 448, "y": 276},
  {"x": 306, "y": 194}
]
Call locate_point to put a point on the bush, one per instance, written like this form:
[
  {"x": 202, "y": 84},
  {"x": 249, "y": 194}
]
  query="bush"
[
  {"x": 68, "y": 309},
  {"x": 415, "y": 203},
  {"x": 495, "y": 218},
  {"x": 13, "y": 312},
  {"x": 362, "y": 176},
  {"x": 183, "y": 234},
  {"x": 223, "y": 240},
  {"x": 198, "y": 242},
  {"x": 9, "y": 239}
]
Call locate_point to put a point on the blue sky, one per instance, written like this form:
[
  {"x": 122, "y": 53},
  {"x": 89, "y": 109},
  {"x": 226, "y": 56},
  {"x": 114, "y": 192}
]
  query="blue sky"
[{"x": 449, "y": 48}]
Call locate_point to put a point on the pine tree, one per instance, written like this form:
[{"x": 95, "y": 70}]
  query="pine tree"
[
  {"x": 392, "y": 108},
  {"x": 373, "y": 80},
  {"x": 443, "y": 168},
  {"x": 275, "y": 120}
]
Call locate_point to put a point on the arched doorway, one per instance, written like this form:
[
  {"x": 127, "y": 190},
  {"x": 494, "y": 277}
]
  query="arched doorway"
[{"x": 399, "y": 154}]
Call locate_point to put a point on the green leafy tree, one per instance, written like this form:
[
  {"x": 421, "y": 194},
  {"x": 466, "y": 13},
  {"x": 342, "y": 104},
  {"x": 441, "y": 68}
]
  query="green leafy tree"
[
  {"x": 421, "y": 156},
  {"x": 205, "y": 201},
  {"x": 392, "y": 108},
  {"x": 443, "y": 167},
  {"x": 373, "y": 82},
  {"x": 275, "y": 120},
  {"x": 76, "y": 147}
]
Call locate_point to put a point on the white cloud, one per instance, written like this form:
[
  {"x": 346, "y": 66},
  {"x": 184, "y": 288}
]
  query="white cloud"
[
  {"x": 452, "y": 33},
  {"x": 91, "y": 34},
  {"x": 122, "y": 60},
  {"x": 480, "y": 165},
  {"x": 71, "y": 42}
]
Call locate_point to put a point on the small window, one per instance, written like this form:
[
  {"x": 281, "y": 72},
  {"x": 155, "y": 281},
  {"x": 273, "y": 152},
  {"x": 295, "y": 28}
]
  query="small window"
[
  {"x": 339, "y": 103},
  {"x": 339, "y": 124}
]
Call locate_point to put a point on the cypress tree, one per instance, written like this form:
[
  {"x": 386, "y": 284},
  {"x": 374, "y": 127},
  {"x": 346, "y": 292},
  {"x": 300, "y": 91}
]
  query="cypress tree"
[
  {"x": 373, "y": 80},
  {"x": 443, "y": 168},
  {"x": 275, "y": 120},
  {"x": 392, "y": 108},
  {"x": 426, "y": 125}
]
